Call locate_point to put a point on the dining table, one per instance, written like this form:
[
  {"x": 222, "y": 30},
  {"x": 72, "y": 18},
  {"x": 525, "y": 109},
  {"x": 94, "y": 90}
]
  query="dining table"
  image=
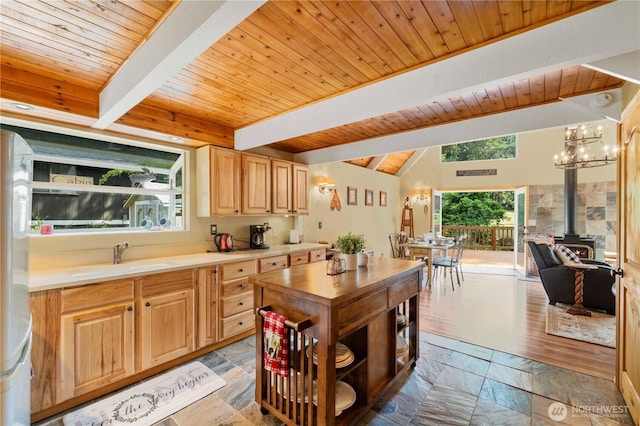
[{"x": 422, "y": 249}]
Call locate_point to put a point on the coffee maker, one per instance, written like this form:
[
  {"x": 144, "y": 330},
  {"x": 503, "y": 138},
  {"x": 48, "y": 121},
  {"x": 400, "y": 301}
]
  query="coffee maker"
[{"x": 257, "y": 240}]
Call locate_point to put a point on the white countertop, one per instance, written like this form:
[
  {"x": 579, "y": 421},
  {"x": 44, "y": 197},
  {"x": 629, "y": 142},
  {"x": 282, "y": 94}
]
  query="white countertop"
[{"x": 56, "y": 278}]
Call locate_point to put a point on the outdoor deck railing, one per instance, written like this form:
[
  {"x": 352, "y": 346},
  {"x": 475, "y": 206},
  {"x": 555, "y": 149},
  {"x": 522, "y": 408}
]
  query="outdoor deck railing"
[{"x": 483, "y": 237}]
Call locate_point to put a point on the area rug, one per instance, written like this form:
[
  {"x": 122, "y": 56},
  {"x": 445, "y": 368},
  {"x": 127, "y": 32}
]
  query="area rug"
[
  {"x": 150, "y": 401},
  {"x": 599, "y": 328}
]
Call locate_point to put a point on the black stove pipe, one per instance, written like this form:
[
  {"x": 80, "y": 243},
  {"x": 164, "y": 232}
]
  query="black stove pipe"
[{"x": 570, "y": 203}]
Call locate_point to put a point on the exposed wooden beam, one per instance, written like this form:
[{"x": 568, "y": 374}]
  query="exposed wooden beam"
[
  {"x": 376, "y": 161},
  {"x": 626, "y": 66},
  {"x": 191, "y": 28},
  {"x": 613, "y": 30}
]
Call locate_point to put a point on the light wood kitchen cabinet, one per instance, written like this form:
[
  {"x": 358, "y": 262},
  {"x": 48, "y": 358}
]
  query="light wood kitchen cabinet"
[
  {"x": 207, "y": 306},
  {"x": 282, "y": 187},
  {"x": 96, "y": 337},
  {"x": 167, "y": 317},
  {"x": 289, "y": 187},
  {"x": 317, "y": 255},
  {"x": 300, "y": 189},
  {"x": 273, "y": 263},
  {"x": 236, "y": 298},
  {"x": 256, "y": 184},
  {"x": 310, "y": 256},
  {"x": 218, "y": 187},
  {"x": 299, "y": 258}
]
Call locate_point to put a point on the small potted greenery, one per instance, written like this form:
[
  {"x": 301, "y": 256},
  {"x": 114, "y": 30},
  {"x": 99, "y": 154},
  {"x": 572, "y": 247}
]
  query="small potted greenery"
[{"x": 350, "y": 245}]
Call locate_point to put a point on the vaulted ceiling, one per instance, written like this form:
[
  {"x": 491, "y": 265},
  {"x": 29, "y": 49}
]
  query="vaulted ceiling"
[{"x": 369, "y": 82}]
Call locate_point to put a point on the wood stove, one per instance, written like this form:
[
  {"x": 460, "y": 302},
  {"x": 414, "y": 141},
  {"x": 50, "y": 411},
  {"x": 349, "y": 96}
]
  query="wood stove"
[{"x": 583, "y": 247}]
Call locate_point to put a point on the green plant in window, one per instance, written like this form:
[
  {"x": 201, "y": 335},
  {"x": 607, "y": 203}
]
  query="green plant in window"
[{"x": 36, "y": 221}]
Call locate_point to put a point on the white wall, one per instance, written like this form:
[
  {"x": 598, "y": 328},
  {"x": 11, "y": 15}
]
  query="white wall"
[{"x": 374, "y": 222}]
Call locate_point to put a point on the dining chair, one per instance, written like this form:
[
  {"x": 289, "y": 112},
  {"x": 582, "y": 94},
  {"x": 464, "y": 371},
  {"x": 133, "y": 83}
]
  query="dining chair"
[{"x": 453, "y": 262}]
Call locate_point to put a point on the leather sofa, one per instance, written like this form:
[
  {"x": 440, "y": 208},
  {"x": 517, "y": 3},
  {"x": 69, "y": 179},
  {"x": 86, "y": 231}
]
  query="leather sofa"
[{"x": 559, "y": 280}]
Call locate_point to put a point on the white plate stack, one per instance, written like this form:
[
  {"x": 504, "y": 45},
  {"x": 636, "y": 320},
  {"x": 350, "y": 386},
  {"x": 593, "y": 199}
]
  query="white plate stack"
[
  {"x": 345, "y": 396},
  {"x": 344, "y": 355},
  {"x": 402, "y": 348}
]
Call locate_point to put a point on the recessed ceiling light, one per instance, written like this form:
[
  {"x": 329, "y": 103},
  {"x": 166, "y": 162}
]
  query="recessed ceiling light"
[
  {"x": 175, "y": 139},
  {"x": 23, "y": 107}
]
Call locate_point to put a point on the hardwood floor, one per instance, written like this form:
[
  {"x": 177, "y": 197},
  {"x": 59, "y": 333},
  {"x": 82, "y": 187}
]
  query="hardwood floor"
[{"x": 503, "y": 313}]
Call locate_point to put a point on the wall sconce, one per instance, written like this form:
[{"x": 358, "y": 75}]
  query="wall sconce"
[
  {"x": 420, "y": 195},
  {"x": 325, "y": 184}
]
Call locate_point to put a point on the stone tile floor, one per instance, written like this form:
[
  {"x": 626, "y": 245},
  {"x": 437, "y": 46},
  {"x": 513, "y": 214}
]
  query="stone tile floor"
[{"x": 453, "y": 383}]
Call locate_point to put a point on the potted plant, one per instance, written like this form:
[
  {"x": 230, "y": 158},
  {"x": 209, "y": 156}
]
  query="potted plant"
[{"x": 350, "y": 245}]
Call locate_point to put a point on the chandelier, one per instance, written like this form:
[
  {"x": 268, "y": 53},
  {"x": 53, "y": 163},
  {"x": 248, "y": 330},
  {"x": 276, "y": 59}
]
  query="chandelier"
[{"x": 583, "y": 148}]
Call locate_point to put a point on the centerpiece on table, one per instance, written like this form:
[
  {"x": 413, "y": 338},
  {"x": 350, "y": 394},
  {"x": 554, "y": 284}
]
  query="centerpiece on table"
[{"x": 351, "y": 245}]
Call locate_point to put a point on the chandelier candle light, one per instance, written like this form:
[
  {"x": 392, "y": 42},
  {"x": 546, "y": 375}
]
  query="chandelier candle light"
[{"x": 577, "y": 149}]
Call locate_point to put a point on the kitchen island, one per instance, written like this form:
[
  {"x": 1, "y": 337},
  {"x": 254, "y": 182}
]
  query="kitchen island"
[{"x": 371, "y": 312}]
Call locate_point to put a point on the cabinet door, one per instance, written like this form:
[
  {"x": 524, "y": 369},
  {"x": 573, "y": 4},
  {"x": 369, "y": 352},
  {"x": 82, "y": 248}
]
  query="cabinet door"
[
  {"x": 300, "y": 189},
  {"x": 96, "y": 348},
  {"x": 167, "y": 322},
  {"x": 218, "y": 184},
  {"x": 207, "y": 307},
  {"x": 282, "y": 187},
  {"x": 256, "y": 184},
  {"x": 225, "y": 176}
]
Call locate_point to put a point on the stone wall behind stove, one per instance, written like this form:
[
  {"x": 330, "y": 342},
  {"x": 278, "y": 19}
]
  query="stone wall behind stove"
[{"x": 595, "y": 211}]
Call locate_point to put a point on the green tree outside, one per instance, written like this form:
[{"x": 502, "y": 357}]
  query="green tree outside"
[
  {"x": 472, "y": 209},
  {"x": 485, "y": 149}
]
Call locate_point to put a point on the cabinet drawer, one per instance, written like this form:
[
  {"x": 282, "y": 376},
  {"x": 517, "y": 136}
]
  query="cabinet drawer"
[
  {"x": 235, "y": 304},
  {"x": 298, "y": 258},
  {"x": 231, "y": 288},
  {"x": 317, "y": 255},
  {"x": 167, "y": 282},
  {"x": 237, "y": 324},
  {"x": 403, "y": 290},
  {"x": 94, "y": 295},
  {"x": 231, "y": 271},
  {"x": 273, "y": 263},
  {"x": 353, "y": 314}
]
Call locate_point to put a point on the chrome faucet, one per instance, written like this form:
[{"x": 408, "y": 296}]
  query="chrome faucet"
[{"x": 118, "y": 249}]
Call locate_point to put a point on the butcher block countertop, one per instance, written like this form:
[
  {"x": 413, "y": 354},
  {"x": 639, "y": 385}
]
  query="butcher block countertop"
[
  {"x": 312, "y": 281},
  {"x": 69, "y": 277}
]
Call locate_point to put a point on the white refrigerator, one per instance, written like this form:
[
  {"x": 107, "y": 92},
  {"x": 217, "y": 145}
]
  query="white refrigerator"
[{"x": 16, "y": 168}]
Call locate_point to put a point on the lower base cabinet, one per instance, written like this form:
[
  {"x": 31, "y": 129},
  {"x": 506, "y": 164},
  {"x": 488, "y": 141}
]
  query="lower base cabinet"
[
  {"x": 96, "y": 338},
  {"x": 167, "y": 317}
]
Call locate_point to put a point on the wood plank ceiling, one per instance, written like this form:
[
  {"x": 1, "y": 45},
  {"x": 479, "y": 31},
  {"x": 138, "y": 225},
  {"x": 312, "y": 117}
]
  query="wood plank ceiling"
[{"x": 59, "y": 55}]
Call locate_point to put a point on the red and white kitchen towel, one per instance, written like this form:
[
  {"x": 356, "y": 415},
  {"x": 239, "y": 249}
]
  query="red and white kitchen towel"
[{"x": 276, "y": 344}]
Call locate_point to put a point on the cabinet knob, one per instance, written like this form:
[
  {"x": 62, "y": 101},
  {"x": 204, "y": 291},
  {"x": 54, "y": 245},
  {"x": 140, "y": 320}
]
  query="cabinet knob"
[
  {"x": 274, "y": 264},
  {"x": 240, "y": 323},
  {"x": 267, "y": 211},
  {"x": 130, "y": 308},
  {"x": 240, "y": 270},
  {"x": 147, "y": 304},
  {"x": 241, "y": 285},
  {"x": 241, "y": 304}
]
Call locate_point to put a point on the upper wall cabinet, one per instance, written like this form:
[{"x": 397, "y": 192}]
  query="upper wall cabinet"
[
  {"x": 256, "y": 184},
  {"x": 300, "y": 189},
  {"x": 289, "y": 188},
  {"x": 281, "y": 183},
  {"x": 218, "y": 186},
  {"x": 231, "y": 183}
]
